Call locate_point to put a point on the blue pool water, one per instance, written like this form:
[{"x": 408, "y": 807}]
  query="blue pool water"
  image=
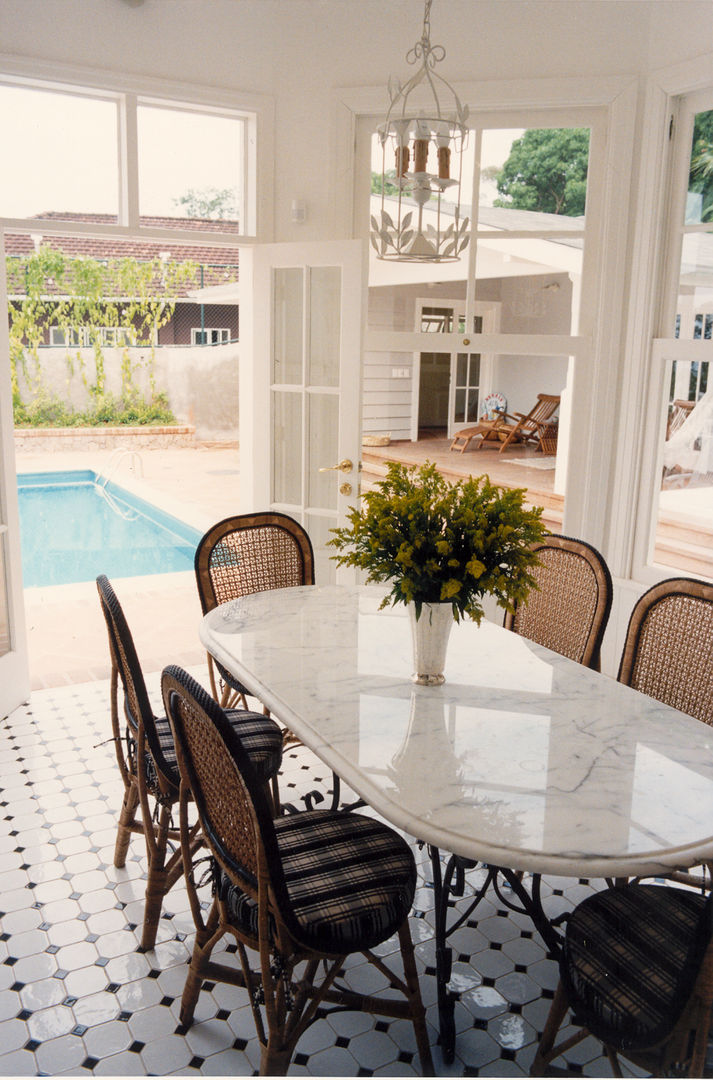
[{"x": 72, "y": 531}]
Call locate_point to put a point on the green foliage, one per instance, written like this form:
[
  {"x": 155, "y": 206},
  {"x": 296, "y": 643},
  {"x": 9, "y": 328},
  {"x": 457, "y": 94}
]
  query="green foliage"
[
  {"x": 378, "y": 182},
  {"x": 701, "y": 174},
  {"x": 75, "y": 294},
  {"x": 47, "y": 410},
  {"x": 209, "y": 203},
  {"x": 546, "y": 171},
  {"x": 439, "y": 542}
]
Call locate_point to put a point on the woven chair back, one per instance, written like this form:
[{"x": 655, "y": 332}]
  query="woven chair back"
[
  {"x": 569, "y": 609},
  {"x": 668, "y": 652},
  {"x": 230, "y": 797},
  {"x": 123, "y": 655},
  {"x": 250, "y": 553}
]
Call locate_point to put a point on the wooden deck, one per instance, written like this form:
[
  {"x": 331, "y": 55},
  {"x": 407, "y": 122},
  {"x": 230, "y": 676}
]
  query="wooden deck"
[{"x": 512, "y": 468}]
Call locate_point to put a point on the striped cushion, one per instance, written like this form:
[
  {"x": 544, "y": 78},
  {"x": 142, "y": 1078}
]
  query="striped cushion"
[
  {"x": 261, "y": 737},
  {"x": 631, "y": 959},
  {"x": 350, "y": 880}
]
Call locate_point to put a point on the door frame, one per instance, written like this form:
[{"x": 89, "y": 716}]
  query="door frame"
[
  {"x": 489, "y": 311},
  {"x": 14, "y": 665}
]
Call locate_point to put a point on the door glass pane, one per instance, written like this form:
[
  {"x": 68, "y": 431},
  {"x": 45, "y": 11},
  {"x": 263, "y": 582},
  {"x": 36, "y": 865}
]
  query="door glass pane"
[
  {"x": 462, "y": 369},
  {"x": 205, "y": 175},
  {"x": 694, "y": 315},
  {"x": 64, "y": 156},
  {"x": 472, "y": 415},
  {"x": 287, "y": 443},
  {"x": 318, "y": 529},
  {"x": 699, "y": 201},
  {"x": 325, "y": 310},
  {"x": 288, "y": 331},
  {"x": 438, "y": 320},
  {"x": 460, "y": 406},
  {"x": 323, "y": 447},
  {"x": 532, "y": 179},
  {"x": 4, "y": 609},
  {"x": 685, "y": 512}
]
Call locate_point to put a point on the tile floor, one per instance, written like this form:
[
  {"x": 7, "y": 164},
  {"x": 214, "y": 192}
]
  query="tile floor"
[{"x": 77, "y": 997}]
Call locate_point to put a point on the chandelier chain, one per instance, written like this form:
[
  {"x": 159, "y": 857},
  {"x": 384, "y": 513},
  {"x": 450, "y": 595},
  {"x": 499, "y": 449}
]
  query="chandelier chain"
[{"x": 423, "y": 50}]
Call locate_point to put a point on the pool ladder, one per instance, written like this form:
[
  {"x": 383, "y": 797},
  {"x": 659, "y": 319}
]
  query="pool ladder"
[{"x": 105, "y": 478}]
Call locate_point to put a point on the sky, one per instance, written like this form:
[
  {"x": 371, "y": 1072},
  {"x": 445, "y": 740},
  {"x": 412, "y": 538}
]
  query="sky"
[{"x": 64, "y": 154}]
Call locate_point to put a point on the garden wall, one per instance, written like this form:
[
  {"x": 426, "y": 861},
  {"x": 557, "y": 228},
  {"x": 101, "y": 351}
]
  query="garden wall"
[
  {"x": 147, "y": 437},
  {"x": 201, "y": 382}
]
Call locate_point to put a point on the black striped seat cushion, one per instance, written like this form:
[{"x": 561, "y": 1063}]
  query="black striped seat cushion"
[
  {"x": 630, "y": 960},
  {"x": 261, "y": 737},
  {"x": 350, "y": 880}
]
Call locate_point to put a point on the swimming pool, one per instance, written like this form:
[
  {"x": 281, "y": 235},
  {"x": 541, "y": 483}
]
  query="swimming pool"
[{"x": 73, "y": 527}]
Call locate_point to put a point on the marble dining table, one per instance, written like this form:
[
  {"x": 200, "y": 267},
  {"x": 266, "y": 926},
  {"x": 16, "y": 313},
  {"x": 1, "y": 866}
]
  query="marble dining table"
[{"x": 522, "y": 760}]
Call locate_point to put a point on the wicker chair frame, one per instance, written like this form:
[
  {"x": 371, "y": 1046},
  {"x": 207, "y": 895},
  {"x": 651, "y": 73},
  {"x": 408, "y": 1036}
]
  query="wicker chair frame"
[
  {"x": 244, "y": 554},
  {"x": 143, "y": 771},
  {"x": 569, "y": 610},
  {"x": 242, "y": 839},
  {"x": 678, "y": 1047},
  {"x": 147, "y": 776}
]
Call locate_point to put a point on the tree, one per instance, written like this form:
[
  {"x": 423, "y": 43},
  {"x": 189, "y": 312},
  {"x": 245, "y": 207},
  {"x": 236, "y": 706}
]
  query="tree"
[
  {"x": 209, "y": 203},
  {"x": 390, "y": 188},
  {"x": 546, "y": 171},
  {"x": 701, "y": 175}
]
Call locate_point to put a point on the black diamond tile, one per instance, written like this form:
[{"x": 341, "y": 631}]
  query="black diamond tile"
[
  {"x": 301, "y": 1059},
  {"x": 341, "y": 1041},
  {"x": 25, "y": 1014},
  {"x": 17, "y": 986},
  {"x": 79, "y": 1029},
  {"x": 90, "y": 1063},
  {"x": 154, "y": 974},
  {"x": 113, "y": 987},
  {"x": 125, "y": 1016},
  {"x": 136, "y": 1047},
  {"x": 195, "y": 1062},
  {"x": 32, "y": 1045},
  {"x": 240, "y": 1044},
  {"x": 69, "y": 1001},
  {"x": 222, "y": 1014}
]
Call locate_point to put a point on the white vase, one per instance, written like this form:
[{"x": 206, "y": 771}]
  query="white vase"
[{"x": 430, "y": 641}]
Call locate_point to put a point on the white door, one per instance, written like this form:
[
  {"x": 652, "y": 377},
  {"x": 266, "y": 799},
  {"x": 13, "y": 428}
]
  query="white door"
[
  {"x": 301, "y": 325},
  {"x": 14, "y": 669}
]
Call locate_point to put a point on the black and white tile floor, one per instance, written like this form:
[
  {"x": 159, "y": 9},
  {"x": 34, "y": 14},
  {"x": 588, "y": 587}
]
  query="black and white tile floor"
[{"x": 77, "y": 997}]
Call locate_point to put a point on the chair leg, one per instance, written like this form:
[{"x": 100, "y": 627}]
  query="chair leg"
[
  {"x": 418, "y": 1012},
  {"x": 556, "y": 1015},
  {"x": 205, "y": 941},
  {"x": 157, "y": 884},
  {"x": 127, "y": 824}
]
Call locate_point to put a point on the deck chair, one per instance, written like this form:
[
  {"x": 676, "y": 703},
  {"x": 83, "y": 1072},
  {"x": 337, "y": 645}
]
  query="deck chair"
[
  {"x": 569, "y": 609},
  {"x": 147, "y": 763},
  {"x": 506, "y": 428},
  {"x": 244, "y": 554},
  {"x": 304, "y": 891},
  {"x": 637, "y": 972}
]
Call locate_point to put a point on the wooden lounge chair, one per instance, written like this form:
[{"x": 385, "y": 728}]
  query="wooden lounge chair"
[{"x": 505, "y": 429}]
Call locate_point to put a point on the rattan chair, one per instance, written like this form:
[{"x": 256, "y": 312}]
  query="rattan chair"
[
  {"x": 637, "y": 972},
  {"x": 668, "y": 654},
  {"x": 569, "y": 610},
  {"x": 307, "y": 888},
  {"x": 668, "y": 651},
  {"x": 147, "y": 762},
  {"x": 245, "y": 554}
]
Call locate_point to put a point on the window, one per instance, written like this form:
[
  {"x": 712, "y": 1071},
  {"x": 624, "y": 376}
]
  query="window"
[
  {"x": 83, "y": 336},
  {"x": 209, "y": 336},
  {"x": 682, "y": 534}
]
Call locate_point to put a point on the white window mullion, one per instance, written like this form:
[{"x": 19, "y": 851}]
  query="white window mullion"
[{"x": 128, "y": 162}]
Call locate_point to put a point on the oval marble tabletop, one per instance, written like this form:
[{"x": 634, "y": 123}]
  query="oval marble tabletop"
[{"x": 521, "y": 759}]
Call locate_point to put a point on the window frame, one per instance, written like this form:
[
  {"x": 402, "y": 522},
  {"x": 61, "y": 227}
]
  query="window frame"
[
  {"x": 256, "y": 110},
  {"x": 198, "y": 330}
]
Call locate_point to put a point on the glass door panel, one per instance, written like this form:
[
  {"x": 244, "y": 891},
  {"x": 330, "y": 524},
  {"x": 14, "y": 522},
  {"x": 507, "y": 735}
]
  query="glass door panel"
[
  {"x": 287, "y": 436},
  {"x": 324, "y": 290},
  {"x": 4, "y": 606},
  {"x": 323, "y": 446},
  {"x": 288, "y": 322}
]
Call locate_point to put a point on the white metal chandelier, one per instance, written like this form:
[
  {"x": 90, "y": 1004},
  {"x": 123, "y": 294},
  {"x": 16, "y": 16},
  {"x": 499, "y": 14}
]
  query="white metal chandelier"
[{"x": 417, "y": 224}]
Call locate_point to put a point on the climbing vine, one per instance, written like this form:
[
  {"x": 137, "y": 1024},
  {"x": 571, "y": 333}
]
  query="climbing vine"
[{"x": 89, "y": 299}]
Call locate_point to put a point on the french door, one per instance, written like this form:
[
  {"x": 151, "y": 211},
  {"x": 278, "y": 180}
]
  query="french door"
[
  {"x": 300, "y": 383},
  {"x": 14, "y": 668}
]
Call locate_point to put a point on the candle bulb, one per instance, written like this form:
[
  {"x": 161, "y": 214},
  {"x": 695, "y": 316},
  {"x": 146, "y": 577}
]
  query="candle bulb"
[
  {"x": 420, "y": 155},
  {"x": 444, "y": 162},
  {"x": 402, "y": 160}
]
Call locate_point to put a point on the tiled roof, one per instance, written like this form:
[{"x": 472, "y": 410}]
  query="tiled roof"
[{"x": 218, "y": 264}]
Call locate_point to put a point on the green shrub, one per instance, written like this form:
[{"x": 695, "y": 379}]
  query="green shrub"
[{"x": 106, "y": 411}]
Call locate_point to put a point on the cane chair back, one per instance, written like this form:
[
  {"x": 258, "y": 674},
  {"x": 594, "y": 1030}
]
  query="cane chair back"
[
  {"x": 668, "y": 651},
  {"x": 569, "y": 609},
  {"x": 637, "y": 972},
  {"x": 245, "y": 554},
  {"x": 312, "y": 886},
  {"x": 146, "y": 755}
]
